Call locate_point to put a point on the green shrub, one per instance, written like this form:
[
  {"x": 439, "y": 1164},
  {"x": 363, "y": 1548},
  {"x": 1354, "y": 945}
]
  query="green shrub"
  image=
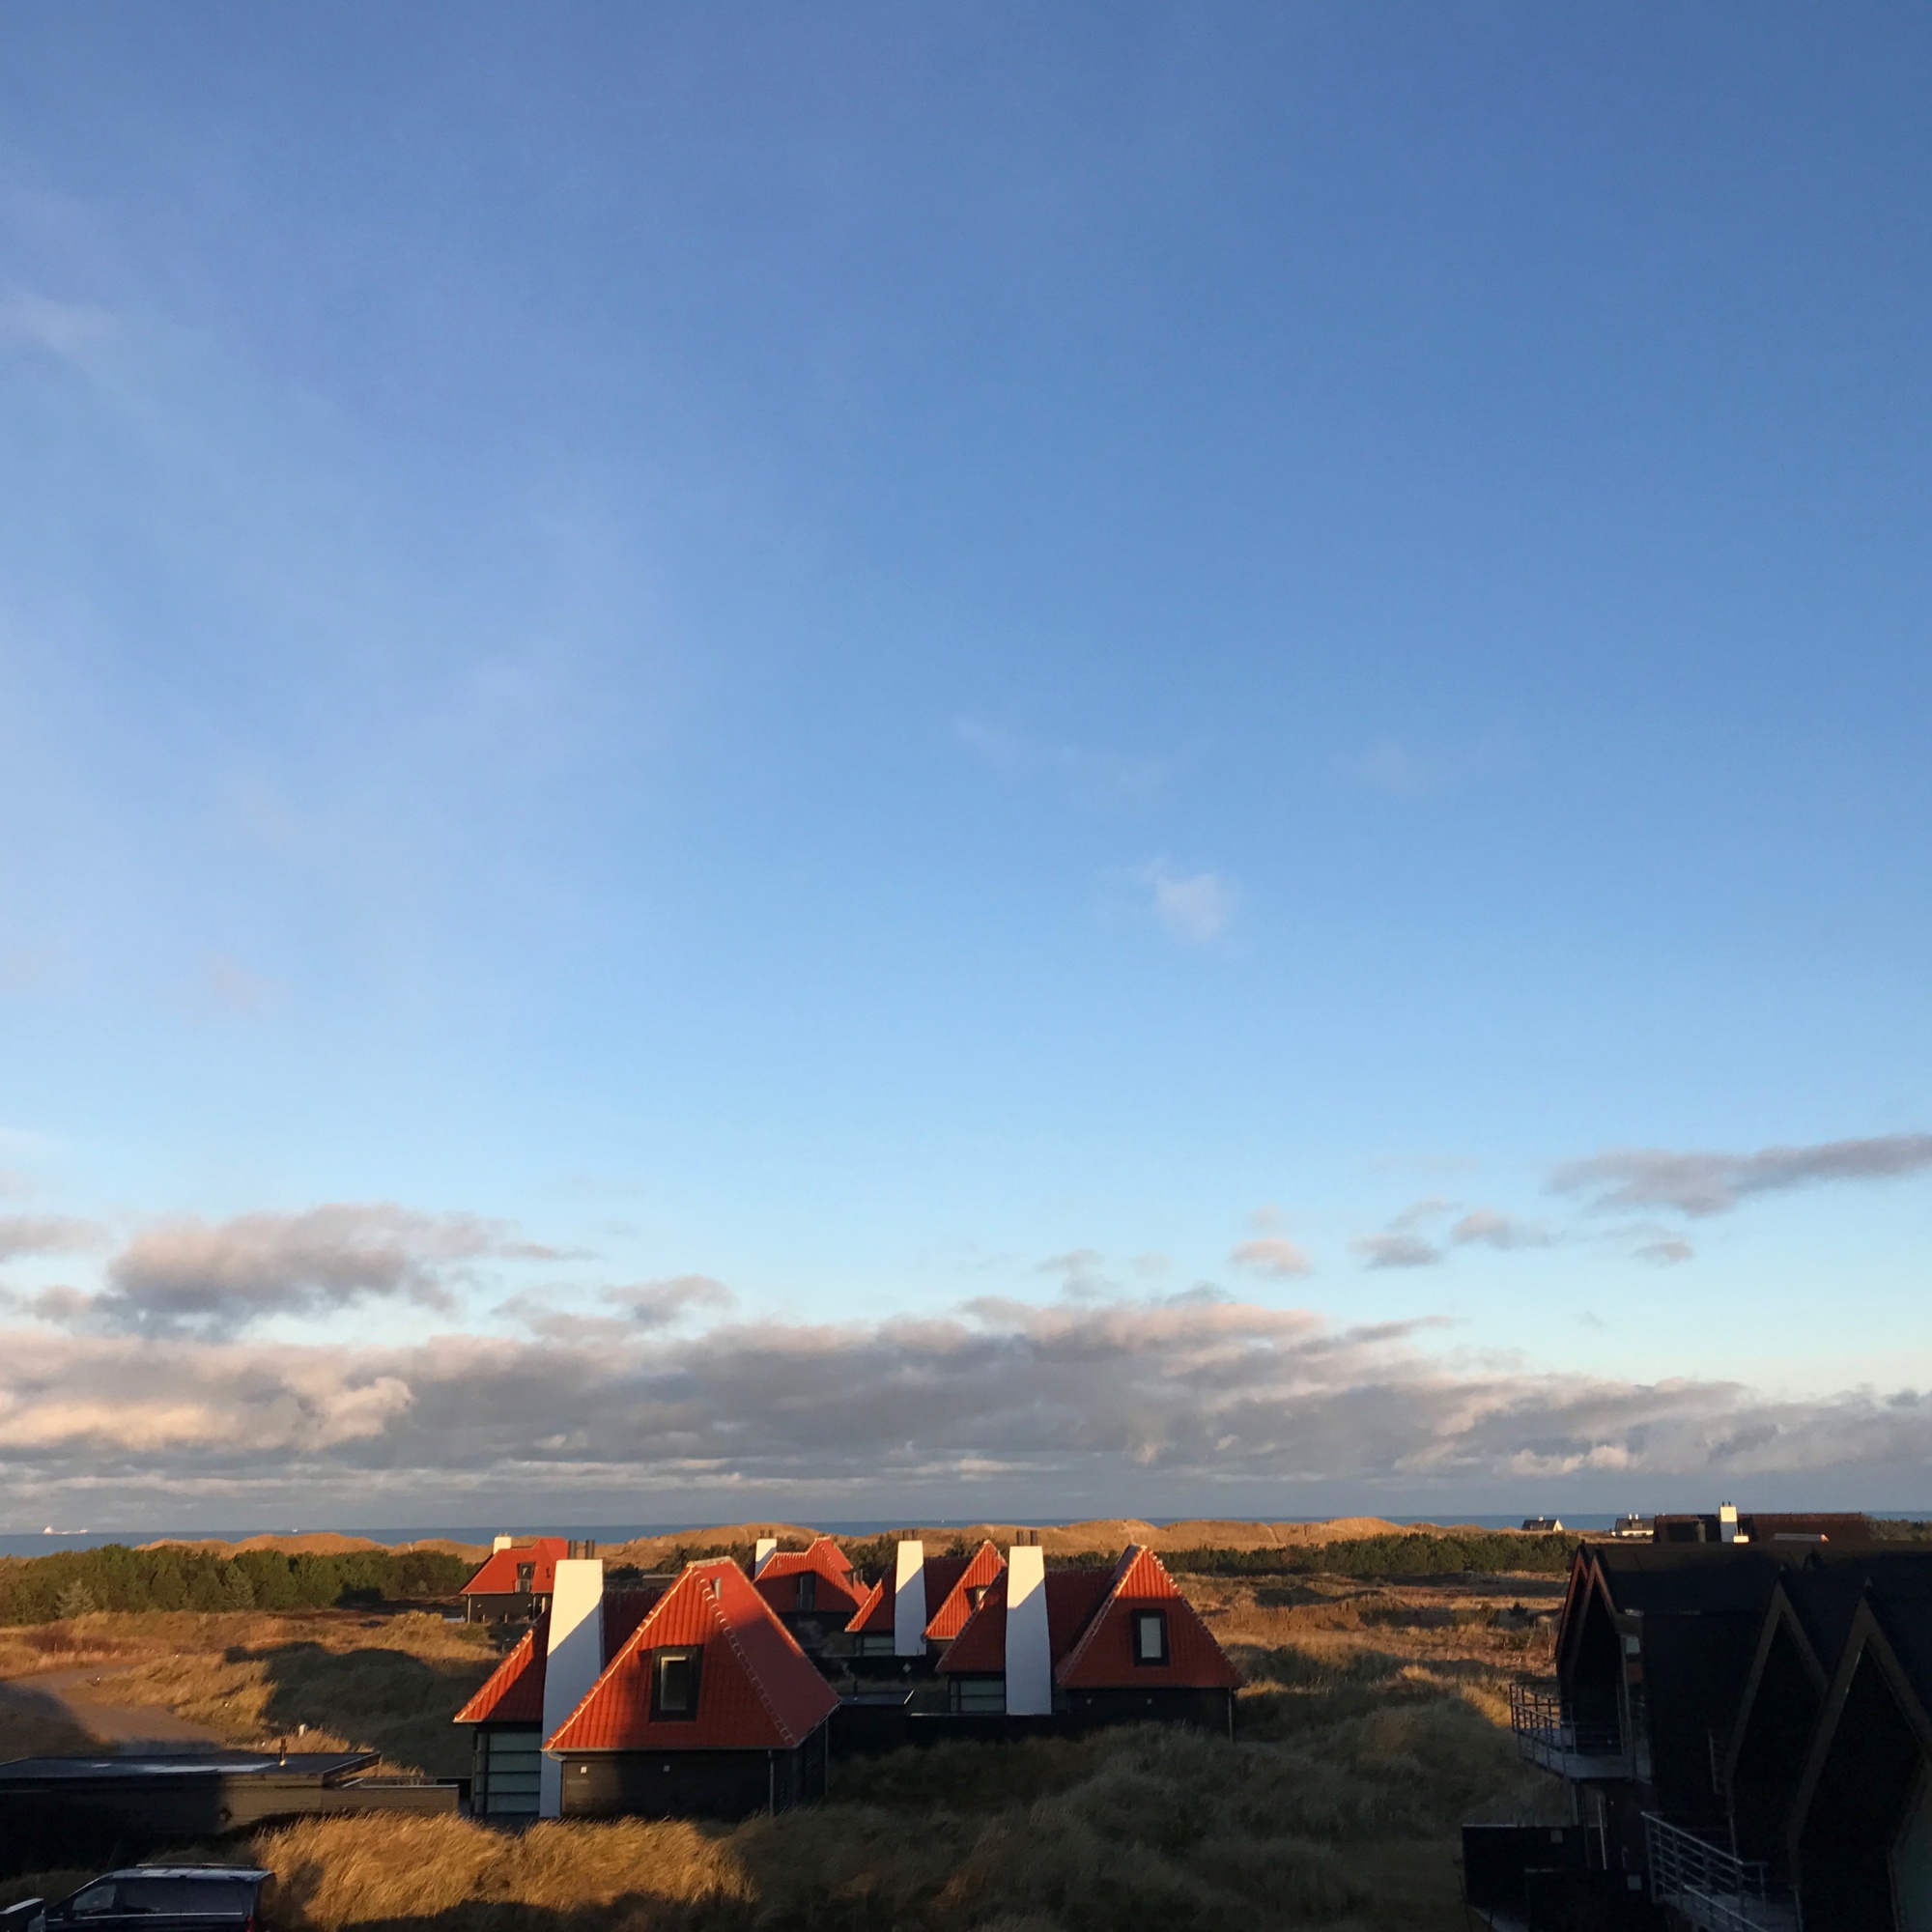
[
  {"x": 41, "y": 1589},
  {"x": 1416, "y": 1554}
]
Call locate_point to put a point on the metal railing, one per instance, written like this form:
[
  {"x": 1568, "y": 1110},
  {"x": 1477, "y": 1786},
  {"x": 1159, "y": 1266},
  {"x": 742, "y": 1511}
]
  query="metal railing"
[
  {"x": 1708, "y": 1886},
  {"x": 1547, "y": 1735}
]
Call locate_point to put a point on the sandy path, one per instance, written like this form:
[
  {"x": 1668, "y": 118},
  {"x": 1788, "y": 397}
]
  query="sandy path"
[{"x": 85, "y": 1697}]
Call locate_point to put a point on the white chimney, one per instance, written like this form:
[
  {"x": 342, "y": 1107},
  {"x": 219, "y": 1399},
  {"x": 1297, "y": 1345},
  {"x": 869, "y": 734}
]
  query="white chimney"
[
  {"x": 1727, "y": 1523},
  {"x": 574, "y": 1663},
  {"x": 1028, "y": 1641},
  {"x": 909, "y": 1612},
  {"x": 762, "y": 1552},
  {"x": 502, "y": 1543}
]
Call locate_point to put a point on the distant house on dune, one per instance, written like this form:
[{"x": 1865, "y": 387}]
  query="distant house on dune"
[
  {"x": 517, "y": 1576},
  {"x": 1101, "y": 1646}
]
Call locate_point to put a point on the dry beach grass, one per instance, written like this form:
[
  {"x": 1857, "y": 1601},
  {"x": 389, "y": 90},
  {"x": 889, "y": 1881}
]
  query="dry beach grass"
[{"x": 1374, "y": 1723}]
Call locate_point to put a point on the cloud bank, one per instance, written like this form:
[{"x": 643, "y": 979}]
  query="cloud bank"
[
  {"x": 191, "y": 1277},
  {"x": 1198, "y": 1390}
]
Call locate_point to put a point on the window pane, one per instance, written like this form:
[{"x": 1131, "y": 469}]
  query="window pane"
[
  {"x": 208, "y": 1898},
  {"x": 94, "y": 1900},
  {"x": 1150, "y": 1637},
  {"x": 677, "y": 1685}
]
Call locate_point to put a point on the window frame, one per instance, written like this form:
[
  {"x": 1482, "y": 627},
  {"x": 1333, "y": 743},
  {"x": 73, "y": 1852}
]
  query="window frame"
[
  {"x": 692, "y": 1654},
  {"x": 1139, "y": 1621}
]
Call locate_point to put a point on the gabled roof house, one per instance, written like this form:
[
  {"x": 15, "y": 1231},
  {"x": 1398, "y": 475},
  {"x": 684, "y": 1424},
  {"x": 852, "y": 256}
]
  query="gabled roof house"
[
  {"x": 517, "y": 1577},
  {"x": 813, "y": 1590},
  {"x": 506, "y": 1715},
  {"x": 1859, "y": 1836},
  {"x": 709, "y": 1708},
  {"x": 932, "y": 1596},
  {"x": 1747, "y": 1725},
  {"x": 1098, "y": 1645}
]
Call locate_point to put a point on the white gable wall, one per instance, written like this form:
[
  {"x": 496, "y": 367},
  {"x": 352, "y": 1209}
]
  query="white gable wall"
[
  {"x": 1028, "y": 1641},
  {"x": 909, "y": 1611},
  {"x": 575, "y": 1661}
]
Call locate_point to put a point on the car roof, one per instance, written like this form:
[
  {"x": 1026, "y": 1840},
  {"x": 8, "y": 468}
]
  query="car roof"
[{"x": 188, "y": 1872}]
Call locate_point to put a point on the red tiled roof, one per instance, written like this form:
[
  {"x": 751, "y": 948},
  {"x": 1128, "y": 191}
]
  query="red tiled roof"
[
  {"x": 838, "y": 1590},
  {"x": 874, "y": 1613},
  {"x": 1072, "y": 1596},
  {"x": 498, "y": 1577},
  {"x": 1104, "y": 1657},
  {"x": 756, "y": 1690},
  {"x": 954, "y": 1605},
  {"x": 513, "y": 1693},
  {"x": 874, "y": 1616}
]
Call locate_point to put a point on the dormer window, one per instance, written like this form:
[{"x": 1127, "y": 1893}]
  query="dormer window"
[
  {"x": 674, "y": 1676},
  {"x": 527, "y": 1576},
  {"x": 1149, "y": 1636},
  {"x": 808, "y": 1591},
  {"x": 975, "y": 1595}
]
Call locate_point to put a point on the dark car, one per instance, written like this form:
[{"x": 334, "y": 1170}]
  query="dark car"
[{"x": 159, "y": 1898}]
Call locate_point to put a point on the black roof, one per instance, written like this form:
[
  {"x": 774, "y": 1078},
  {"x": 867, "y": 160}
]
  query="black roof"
[
  {"x": 1898, "y": 1587},
  {"x": 1692, "y": 1579},
  {"x": 1825, "y": 1601},
  {"x": 324, "y": 1766}
]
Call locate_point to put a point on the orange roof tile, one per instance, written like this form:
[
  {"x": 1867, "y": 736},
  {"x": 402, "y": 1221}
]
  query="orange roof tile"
[
  {"x": 756, "y": 1690},
  {"x": 513, "y": 1693},
  {"x": 874, "y": 1615},
  {"x": 498, "y": 1577},
  {"x": 955, "y": 1606},
  {"x": 1104, "y": 1657},
  {"x": 1072, "y": 1596},
  {"x": 838, "y": 1588}
]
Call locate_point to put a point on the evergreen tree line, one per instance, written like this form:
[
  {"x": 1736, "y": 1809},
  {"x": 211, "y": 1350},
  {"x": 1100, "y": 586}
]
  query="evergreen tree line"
[
  {"x": 1415, "y": 1554},
  {"x": 39, "y": 1589}
]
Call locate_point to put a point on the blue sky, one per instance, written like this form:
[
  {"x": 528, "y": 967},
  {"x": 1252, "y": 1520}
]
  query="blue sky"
[{"x": 940, "y": 668}]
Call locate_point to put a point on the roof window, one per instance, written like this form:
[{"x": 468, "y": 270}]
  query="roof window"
[
  {"x": 1149, "y": 1633},
  {"x": 674, "y": 1677}
]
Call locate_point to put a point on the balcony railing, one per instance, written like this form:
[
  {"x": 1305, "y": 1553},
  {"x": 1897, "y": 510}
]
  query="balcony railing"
[
  {"x": 1547, "y": 1736},
  {"x": 1705, "y": 1885}
]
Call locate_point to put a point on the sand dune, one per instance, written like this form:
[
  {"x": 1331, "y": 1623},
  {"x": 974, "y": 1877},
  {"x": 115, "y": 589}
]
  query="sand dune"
[
  {"x": 1104, "y": 1535},
  {"x": 318, "y": 1542}
]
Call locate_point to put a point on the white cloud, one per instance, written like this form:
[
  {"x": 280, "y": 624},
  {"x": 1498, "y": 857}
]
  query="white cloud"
[
  {"x": 196, "y": 1277},
  {"x": 645, "y": 1306},
  {"x": 1495, "y": 1230},
  {"x": 1273, "y": 1255},
  {"x": 1093, "y": 776},
  {"x": 1666, "y": 1253},
  {"x": 68, "y": 330},
  {"x": 47, "y": 1235},
  {"x": 1702, "y": 1183},
  {"x": 1389, "y": 768},
  {"x": 1396, "y": 1251},
  {"x": 1195, "y": 907}
]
